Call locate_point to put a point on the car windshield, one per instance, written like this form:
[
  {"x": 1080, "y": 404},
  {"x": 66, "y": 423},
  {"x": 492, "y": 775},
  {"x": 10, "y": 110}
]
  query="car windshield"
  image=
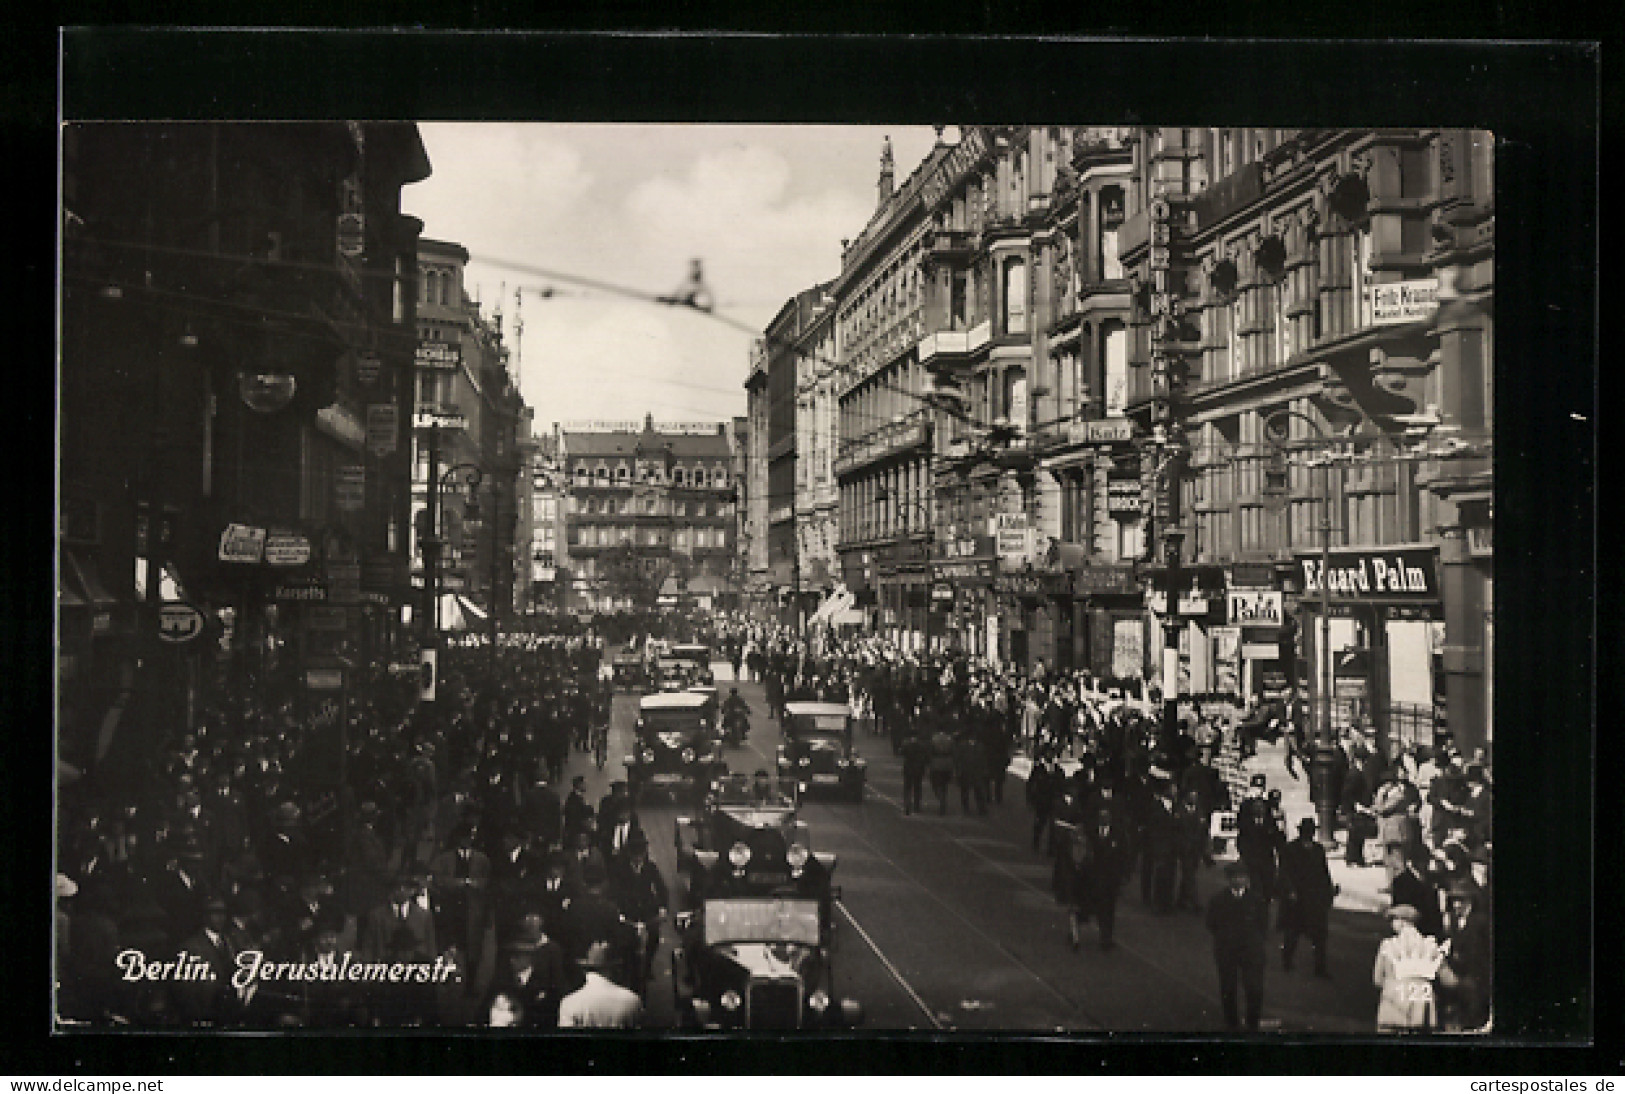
[
  {"x": 742, "y": 790},
  {"x": 821, "y": 723},
  {"x": 761, "y": 921},
  {"x": 700, "y": 655}
]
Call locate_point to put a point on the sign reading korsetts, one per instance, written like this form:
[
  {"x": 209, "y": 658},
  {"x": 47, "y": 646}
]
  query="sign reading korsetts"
[{"x": 1402, "y": 573}]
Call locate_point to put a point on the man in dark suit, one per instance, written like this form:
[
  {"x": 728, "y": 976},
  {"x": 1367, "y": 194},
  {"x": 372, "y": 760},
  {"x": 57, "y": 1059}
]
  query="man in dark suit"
[
  {"x": 1306, "y": 896},
  {"x": 592, "y": 916},
  {"x": 400, "y": 929},
  {"x": 1466, "y": 1003},
  {"x": 640, "y": 894},
  {"x": 1100, "y": 861},
  {"x": 577, "y": 810},
  {"x": 617, "y": 821},
  {"x": 1411, "y": 887},
  {"x": 1238, "y": 921},
  {"x": 533, "y": 973},
  {"x": 208, "y": 1001},
  {"x": 461, "y": 894},
  {"x": 540, "y": 815}
]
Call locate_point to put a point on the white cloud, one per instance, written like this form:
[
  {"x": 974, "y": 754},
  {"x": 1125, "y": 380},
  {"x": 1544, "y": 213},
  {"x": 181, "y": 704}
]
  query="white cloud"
[{"x": 502, "y": 189}]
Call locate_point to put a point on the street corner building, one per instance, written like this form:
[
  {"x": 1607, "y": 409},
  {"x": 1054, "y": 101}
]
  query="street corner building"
[{"x": 1113, "y": 398}]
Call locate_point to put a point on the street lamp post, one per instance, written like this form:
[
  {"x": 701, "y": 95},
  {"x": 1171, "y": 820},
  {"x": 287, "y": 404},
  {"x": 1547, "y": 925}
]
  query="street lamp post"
[
  {"x": 432, "y": 541},
  {"x": 1325, "y": 746}
]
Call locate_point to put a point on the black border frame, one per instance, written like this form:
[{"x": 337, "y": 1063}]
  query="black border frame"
[{"x": 1542, "y": 100}]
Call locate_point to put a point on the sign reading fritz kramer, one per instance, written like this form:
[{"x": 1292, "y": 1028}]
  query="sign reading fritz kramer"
[{"x": 1398, "y": 573}]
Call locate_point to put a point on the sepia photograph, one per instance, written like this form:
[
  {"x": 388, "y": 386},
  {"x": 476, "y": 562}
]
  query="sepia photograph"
[{"x": 718, "y": 577}]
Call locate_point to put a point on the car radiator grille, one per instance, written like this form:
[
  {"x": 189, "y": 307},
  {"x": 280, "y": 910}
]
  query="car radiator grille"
[{"x": 775, "y": 1004}]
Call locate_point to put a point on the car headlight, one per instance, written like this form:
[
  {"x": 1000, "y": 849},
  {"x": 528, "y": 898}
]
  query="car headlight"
[
  {"x": 804, "y": 762},
  {"x": 688, "y": 755},
  {"x": 796, "y": 856},
  {"x": 818, "y": 1001},
  {"x": 842, "y": 762},
  {"x": 648, "y": 756},
  {"x": 729, "y": 1000},
  {"x": 739, "y": 854}
]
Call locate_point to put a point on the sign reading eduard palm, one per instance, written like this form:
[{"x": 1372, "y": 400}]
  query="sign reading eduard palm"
[{"x": 1384, "y": 574}]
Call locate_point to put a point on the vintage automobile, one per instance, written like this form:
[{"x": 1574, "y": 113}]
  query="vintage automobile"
[
  {"x": 629, "y": 671},
  {"x": 676, "y": 747},
  {"x": 747, "y": 840},
  {"x": 817, "y": 752},
  {"x": 755, "y": 962},
  {"x": 697, "y": 659}
]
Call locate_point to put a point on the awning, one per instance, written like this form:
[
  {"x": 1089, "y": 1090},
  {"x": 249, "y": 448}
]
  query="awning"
[
  {"x": 472, "y": 608},
  {"x": 90, "y": 591},
  {"x": 451, "y": 613}
]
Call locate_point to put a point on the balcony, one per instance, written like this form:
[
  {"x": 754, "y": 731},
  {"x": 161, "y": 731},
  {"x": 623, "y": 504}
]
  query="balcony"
[{"x": 942, "y": 343}]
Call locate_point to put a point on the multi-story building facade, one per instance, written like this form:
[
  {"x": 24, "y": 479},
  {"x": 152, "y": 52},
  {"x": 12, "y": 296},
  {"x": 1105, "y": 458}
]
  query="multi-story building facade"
[
  {"x": 1333, "y": 288},
  {"x": 645, "y": 505},
  {"x": 237, "y": 331},
  {"x": 816, "y": 496},
  {"x": 468, "y": 415},
  {"x": 801, "y": 326},
  {"x": 882, "y": 462},
  {"x": 754, "y": 491},
  {"x": 549, "y": 540}
]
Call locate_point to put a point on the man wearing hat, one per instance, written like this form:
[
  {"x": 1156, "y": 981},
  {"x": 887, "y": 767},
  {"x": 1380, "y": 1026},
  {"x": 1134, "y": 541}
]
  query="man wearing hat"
[
  {"x": 206, "y": 1000},
  {"x": 592, "y": 916},
  {"x": 1257, "y": 838},
  {"x": 532, "y": 971},
  {"x": 284, "y": 855},
  {"x": 577, "y": 810},
  {"x": 617, "y": 820},
  {"x": 1306, "y": 896},
  {"x": 1466, "y": 1003},
  {"x": 1238, "y": 921},
  {"x": 461, "y": 891},
  {"x": 599, "y": 1003},
  {"x": 640, "y": 893}
]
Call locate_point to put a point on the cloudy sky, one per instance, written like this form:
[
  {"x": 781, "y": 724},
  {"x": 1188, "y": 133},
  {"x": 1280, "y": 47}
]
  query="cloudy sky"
[{"x": 764, "y": 207}]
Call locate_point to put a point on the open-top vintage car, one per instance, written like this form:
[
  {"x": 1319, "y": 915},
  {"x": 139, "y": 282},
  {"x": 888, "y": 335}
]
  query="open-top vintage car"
[
  {"x": 747, "y": 840},
  {"x": 676, "y": 748},
  {"x": 757, "y": 962},
  {"x": 817, "y": 752}
]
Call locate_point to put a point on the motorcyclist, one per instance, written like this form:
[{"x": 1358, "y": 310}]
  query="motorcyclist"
[{"x": 735, "y": 715}]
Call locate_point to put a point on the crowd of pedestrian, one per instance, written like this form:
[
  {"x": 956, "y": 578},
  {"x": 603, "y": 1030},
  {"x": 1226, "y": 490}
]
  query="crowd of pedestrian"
[
  {"x": 376, "y": 862},
  {"x": 1114, "y": 797}
]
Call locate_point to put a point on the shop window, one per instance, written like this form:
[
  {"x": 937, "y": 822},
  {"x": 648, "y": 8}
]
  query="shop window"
[{"x": 1114, "y": 340}]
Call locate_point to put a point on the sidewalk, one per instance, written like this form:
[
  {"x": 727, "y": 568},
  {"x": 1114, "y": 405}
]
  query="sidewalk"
[{"x": 1359, "y": 887}]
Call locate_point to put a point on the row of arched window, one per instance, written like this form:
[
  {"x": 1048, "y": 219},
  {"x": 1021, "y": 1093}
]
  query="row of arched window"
[
  {"x": 716, "y": 478},
  {"x": 437, "y": 286}
]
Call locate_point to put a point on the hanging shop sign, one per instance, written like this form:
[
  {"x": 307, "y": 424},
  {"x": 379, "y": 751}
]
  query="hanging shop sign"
[
  {"x": 1033, "y": 585},
  {"x": 1403, "y": 574},
  {"x": 367, "y": 368},
  {"x": 179, "y": 622},
  {"x": 967, "y": 570},
  {"x": 1012, "y": 534},
  {"x": 242, "y": 543},
  {"x": 350, "y": 488},
  {"x": 1255, "y": 606},
  {"x": 1104, "y": 581},
  {"x": 286, "y": 549},
  {"x": 1402, "y": 301},
  {"x": 1251, "y": 575},
  {"x": 441, "y": 355},
  {"x": 1124, "y": 497},
  {"x": 425, "y": 419},
  {"x": 1100, "y": 431},
  {"x": 383, "y": 428}
]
